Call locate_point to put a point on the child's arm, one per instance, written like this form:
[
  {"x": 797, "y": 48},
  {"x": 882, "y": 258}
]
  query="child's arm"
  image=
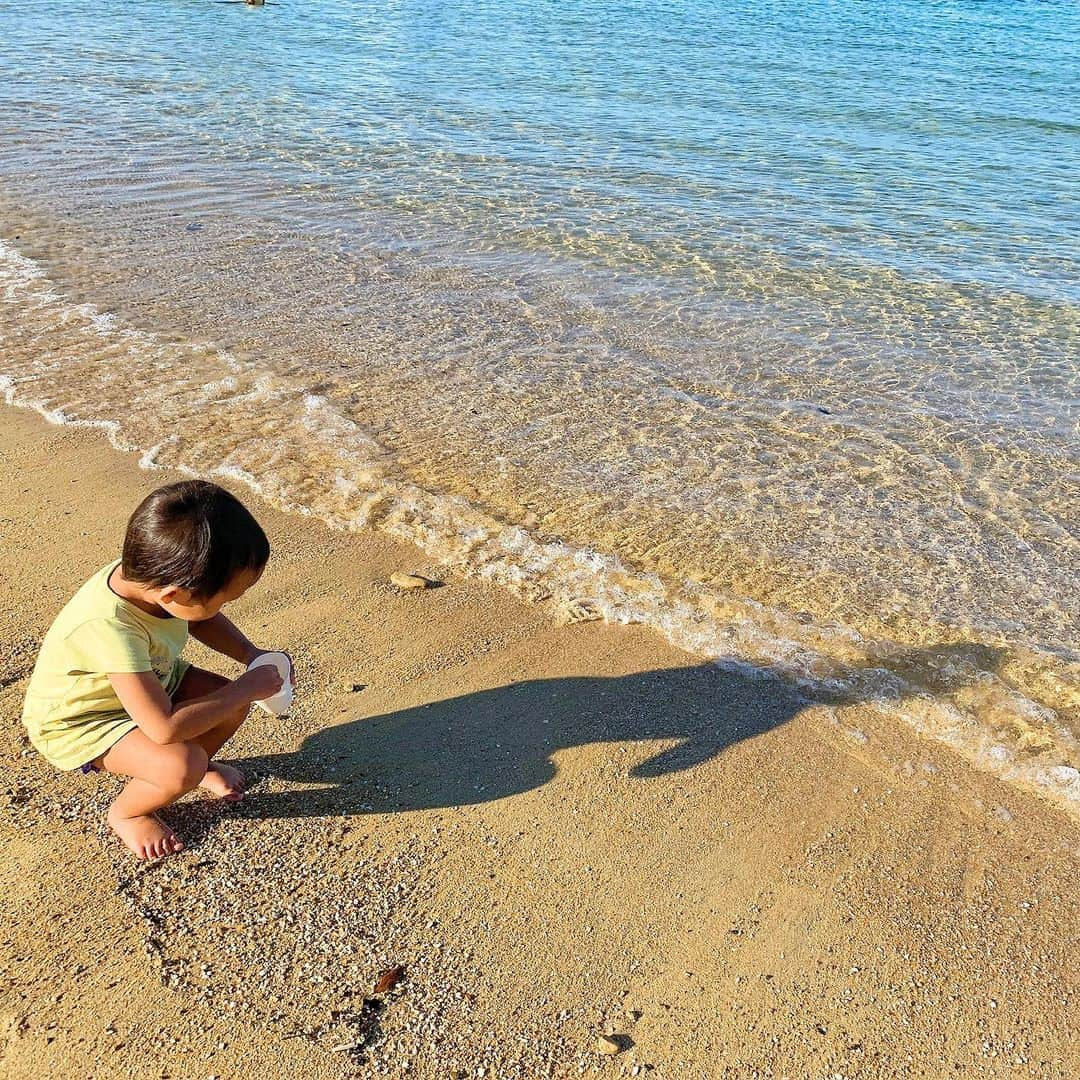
[
  {"x": 222, "y": 635},
  {"x": 145, "y": 701}
]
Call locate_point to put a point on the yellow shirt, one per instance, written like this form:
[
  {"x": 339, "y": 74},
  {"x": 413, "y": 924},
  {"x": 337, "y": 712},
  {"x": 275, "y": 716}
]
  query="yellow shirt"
[{"x": 71, "y": 711}]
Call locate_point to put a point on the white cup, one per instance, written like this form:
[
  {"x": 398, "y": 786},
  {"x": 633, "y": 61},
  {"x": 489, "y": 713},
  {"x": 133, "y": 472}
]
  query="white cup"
[{"x": 278, "y": 705}]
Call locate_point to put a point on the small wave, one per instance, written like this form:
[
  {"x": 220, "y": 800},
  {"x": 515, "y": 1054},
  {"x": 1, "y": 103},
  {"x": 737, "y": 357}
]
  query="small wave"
[{"x": 227, "y": 418}]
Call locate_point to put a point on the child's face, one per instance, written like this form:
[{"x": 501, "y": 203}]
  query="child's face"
[{"x": 181, "y": 604}]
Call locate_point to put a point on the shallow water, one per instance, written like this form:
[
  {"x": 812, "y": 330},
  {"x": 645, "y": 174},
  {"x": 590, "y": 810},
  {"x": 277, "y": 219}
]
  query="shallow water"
[{"x": 758, "y": 325}]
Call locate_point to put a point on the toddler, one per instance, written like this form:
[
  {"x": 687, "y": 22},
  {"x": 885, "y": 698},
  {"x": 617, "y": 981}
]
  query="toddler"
[{"x": 109, "y": 690}]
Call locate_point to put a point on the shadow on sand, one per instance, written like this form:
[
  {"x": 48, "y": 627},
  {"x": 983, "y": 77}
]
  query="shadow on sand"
[{"x": 499, "y": 742}]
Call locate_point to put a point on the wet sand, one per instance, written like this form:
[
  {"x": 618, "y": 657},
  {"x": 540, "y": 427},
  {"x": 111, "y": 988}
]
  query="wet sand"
[{"x": 560, "y": 831}]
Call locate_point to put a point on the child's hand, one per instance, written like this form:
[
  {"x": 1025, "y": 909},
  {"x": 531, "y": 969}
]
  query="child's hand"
[
  {"x": 292, "y": 671},
  {"x": 261, "y": 682},
  {"x": 292, "y": 667}
]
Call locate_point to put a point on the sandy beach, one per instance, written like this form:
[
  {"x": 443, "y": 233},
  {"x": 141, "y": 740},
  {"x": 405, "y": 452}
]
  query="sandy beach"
[{"x": 559, "y": 832}]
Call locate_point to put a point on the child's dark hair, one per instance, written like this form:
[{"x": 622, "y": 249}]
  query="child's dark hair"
[{"x": 195, "y": 535}]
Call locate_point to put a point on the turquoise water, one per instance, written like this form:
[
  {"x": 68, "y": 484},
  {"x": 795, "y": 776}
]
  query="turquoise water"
[
  {"x": 936, "y": 140},
  {"x": 755, "y": 322}
]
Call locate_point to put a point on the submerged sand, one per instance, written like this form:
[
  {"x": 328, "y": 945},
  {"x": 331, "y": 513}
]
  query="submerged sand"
[{"x": 560, "y": 832}]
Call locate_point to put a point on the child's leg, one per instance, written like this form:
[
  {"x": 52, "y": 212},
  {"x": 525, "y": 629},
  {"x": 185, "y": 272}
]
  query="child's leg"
[
  {"x": 222, "y": 780},
  {"x": 160, "y": 775}
]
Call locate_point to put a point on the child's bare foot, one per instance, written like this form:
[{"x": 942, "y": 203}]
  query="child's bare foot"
[
  {"x": 147, "y": 835},
  {"x": 223, "y": 781}
]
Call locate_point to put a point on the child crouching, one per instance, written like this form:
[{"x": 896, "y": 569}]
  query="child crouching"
[{"x": 109, "y": 690}]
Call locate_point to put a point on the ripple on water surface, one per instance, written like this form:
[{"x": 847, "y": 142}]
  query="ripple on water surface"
[{"x": 758, "y": 325}]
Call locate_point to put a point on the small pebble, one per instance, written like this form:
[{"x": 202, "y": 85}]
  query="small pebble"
[
  {"x": 410, "y": 581},
  {"x": 607, "y": 1045}
]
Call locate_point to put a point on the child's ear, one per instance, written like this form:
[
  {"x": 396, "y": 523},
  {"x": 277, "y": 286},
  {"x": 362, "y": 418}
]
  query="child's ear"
[{"x": 170, "y": 595}]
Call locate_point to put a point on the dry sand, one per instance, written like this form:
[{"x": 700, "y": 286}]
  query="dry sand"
[{"x": 560, "y": 831}]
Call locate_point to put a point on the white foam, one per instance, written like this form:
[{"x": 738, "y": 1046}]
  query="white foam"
[{"x": 318, "y": 462}]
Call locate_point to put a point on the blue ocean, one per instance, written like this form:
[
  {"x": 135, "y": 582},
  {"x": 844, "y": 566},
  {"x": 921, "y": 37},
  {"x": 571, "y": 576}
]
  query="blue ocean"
[{"x": 757, "y": 322}]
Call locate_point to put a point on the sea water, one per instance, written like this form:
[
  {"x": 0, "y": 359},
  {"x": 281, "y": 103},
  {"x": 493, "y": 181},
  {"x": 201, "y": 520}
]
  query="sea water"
[{"x": 754, "y": 322}]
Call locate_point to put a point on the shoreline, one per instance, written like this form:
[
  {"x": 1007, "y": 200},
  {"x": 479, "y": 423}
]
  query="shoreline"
[
  {"x": 1008, "y": 705},
  {"x": 966, "y": 694},
  {"x": 552, "y": 827}
]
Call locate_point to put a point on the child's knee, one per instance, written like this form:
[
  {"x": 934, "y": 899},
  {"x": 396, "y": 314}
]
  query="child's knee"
[{"x": 185, "y": 766}]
